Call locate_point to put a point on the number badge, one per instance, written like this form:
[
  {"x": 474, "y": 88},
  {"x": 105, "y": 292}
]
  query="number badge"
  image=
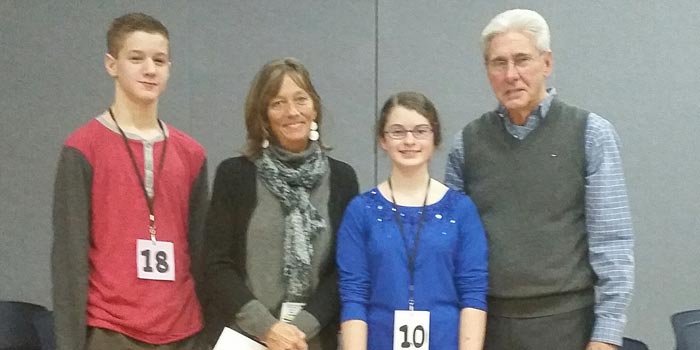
[
  {"x": 155, "y": 261},
  {"x": 411, "y": 330},
  {"x": 290, "y": 310}
]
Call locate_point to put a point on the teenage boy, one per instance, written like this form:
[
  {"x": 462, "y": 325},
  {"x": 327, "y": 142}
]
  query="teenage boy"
[{"x": 129, "y": 201}]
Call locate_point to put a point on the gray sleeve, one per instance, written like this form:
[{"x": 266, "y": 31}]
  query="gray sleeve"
[
  {"x": 199, "y": 201},
  {"x": 307, "y": 323},
  {"x": 69, "y": 255},
  {"x": 255, "y": 319}
]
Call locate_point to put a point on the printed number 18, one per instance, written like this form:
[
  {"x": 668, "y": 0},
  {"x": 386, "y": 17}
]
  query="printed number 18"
[{"x": 161, "y": 261}]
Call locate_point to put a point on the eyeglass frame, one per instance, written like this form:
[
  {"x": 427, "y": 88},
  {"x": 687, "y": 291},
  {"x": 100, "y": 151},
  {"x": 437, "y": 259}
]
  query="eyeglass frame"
[{"x": 416, "y": 132}]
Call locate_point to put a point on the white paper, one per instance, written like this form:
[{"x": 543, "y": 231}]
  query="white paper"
[{"x": 232, "y": 340}]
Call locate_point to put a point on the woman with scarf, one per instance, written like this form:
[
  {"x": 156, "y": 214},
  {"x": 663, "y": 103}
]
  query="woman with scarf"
[{"x": 273, "y": 217}]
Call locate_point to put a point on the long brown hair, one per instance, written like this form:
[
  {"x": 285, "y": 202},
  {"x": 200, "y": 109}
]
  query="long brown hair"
[{"x": 264, "y": 87}]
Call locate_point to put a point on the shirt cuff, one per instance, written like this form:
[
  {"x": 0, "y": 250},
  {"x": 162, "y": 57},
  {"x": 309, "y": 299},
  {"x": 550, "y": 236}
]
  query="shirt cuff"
[
  {"x": 353, "y": 311},
  {"x": 608, "y": 331},
  {"x": 474, "y": 303},
  {"x": 307, "y": 323},
  {"x": 255, "y": 319}
]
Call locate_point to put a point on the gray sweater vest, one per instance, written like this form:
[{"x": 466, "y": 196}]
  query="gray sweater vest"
[{"x": 530, "y": 194}]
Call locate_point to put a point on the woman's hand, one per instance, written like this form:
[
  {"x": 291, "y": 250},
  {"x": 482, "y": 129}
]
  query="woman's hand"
[{"x": 283, "y": 336}]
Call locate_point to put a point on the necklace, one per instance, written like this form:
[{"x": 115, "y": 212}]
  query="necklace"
[{"x": 150, "y": 200}]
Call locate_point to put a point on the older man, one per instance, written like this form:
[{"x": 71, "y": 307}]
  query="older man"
[{"x": 547, "y": 179}]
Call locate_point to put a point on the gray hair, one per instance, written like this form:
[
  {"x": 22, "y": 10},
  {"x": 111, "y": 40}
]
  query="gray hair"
[{"x": 527, "y": 21}]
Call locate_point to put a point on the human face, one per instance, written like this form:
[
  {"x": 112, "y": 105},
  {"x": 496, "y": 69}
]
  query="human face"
[
  {"x": 141, "y": 68},
  {"x": 408, "y": 152},
  {"x": 290, "y": 114},
  {"x": 517, "y": 71}
]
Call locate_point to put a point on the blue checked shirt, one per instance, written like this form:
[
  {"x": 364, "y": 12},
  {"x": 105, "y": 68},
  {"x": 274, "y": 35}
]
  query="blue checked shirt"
[{"x": 608, "y": 221}]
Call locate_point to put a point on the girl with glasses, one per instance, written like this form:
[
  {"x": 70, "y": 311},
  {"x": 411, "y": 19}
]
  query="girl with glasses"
[{"x": 411, "y": 253}]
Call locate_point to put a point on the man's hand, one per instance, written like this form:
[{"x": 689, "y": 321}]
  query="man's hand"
[
  {"x": 596, "y": 345},
  {"x": 283, "y": 336}
]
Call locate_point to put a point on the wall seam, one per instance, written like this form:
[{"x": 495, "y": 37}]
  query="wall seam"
[{"x": 376, "y": 88}]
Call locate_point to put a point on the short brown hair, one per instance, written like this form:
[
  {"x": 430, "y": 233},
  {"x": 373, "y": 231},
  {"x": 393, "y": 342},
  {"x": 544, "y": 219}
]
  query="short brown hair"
[
  {"x": 122, "y": 26},
  {"x": 414, "y": 101},
  {"x": 265, "y": 86}
]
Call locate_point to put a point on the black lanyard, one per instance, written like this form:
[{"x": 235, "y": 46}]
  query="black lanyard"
[
  {"x": 411, "y": 253},
  {"x": 150, "y": 200}
]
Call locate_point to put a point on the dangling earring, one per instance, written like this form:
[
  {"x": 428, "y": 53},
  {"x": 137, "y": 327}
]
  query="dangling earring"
[
  {"x": 313, "y": 134},
  {"x": 265, "y": 143}
]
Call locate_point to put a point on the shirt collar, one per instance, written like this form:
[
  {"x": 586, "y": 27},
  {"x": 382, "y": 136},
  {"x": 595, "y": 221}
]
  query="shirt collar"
[{"x": 106, "y": 120}]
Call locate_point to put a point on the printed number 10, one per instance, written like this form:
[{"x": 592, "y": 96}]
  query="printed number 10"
[{"x": 416, "y": 343}]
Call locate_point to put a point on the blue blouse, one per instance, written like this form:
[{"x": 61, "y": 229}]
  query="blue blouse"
[{"x": 450, "y": 267}]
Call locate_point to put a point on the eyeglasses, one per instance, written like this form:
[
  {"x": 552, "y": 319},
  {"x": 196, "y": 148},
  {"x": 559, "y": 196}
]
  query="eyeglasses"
[
  {"x": 520, "y": 62},
  {"x": 420, "y": 132}
]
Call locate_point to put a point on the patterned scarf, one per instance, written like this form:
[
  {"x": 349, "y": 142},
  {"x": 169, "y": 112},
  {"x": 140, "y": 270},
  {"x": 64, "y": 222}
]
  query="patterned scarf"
[{"x": 291, "y": 177}]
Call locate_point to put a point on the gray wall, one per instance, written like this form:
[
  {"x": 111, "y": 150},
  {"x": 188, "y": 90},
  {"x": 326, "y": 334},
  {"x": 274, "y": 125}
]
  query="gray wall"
[{"x": 631, "y": 61}]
